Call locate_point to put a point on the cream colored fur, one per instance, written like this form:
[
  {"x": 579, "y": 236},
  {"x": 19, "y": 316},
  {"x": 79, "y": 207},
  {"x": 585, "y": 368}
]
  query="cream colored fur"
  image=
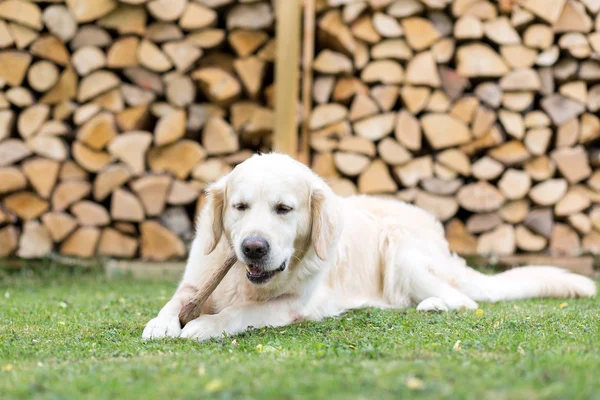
[{"x": 341, "y": 254}]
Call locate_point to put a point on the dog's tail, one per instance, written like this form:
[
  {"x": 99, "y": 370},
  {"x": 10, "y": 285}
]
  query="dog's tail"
[{"x": 525, "y": 283}]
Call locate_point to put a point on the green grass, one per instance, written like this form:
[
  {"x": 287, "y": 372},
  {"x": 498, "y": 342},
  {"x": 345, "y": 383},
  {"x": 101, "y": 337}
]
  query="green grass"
[{"x": 64, "y": 336}]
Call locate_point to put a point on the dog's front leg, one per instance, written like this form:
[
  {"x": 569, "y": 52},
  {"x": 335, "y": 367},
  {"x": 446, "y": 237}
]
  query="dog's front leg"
[{"x": 238, "y": 318}]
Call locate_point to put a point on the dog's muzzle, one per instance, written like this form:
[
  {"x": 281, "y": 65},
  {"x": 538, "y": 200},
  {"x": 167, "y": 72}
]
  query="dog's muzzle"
[{"x": 258, "y": 276}]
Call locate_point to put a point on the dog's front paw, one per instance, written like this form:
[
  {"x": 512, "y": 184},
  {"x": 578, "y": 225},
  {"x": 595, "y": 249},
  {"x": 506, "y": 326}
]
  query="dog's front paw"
[
  {"x": 203, "y": 328},
  {"x": 161, "y": 327}
]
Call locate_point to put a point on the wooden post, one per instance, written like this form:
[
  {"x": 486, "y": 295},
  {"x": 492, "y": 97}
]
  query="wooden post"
[
  {"x": 308, "y": 54},
  {"x": 287, "y": 76}
]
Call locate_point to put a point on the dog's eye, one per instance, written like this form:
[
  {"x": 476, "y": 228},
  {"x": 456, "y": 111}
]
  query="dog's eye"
[
  {"x": 241, "y": 206},
  {"x": 282, "y": 209}
]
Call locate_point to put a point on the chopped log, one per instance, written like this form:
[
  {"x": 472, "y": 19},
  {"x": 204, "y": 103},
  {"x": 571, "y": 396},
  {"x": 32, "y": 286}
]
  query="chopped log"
[
  {"x": 390, "y": 151},
  {"x": 115, "y": 244},
  {"x": 384, "y": 71},
  {"x": 486, "y": 168},
  {"x": 456, "y": 160},
  {"x": 42, "y": 173},
  {"x": 514, "y": 184},
  {"x": 362, "y": 107},
  {"x": 540, "y": 221},
  {"x": 572, "y": 163},
  {"x": 358, "y": 144},
  {"x": 537, "y": 140},
  {"x": 480, "y": 60},
  {"x": 529, "y": 241},
  {"x": 24, "y": 13},
  {"x": 330, "y": 62},
  {"x": 443, "y": 131},
  {"x": 133, "y": 119},
  {"x": 90, "y": 160},
  {"x": 443, "y": 172},
  {"x": 580, "y": 222},
  {"x": 540, "y": 168},
  {"x": 69, "y": 192},
  {"x": 442, "y": 187},
  {"x": 590, "y": 128},
  {"x": 219, "y": 86},
  {"x": 123, "y": 53},
  {"x": 408, "y": 131},
  {"x": 420, "y": 33},
  {"x": 391, "y": 49},
  {"x": 50, "y": 48},
  {"x": 11, "y": 180},
  {"x": 351, "y": 164},
  {"x": 468, "y": 27},
  {"x": 13, "y": 66},
  {"x": 510, "y": 153},
  {"x": 98, "y": 131},
  {"x": 422, "y": 70},
  {"x": 35, "y": 241},
  {"x": 567, "y": 133},
  {"x": 250, "y": 16},
  {"x": 514, "y": 212},
  {"x": 323, "y": 165},
  {"x": 89, "y": 213},
  {"x": 65, "y": 89},
  {"x": 88, "y": 59},
  {"x": 170, "y": 128},
  {"x": 376, "y": 179},
  {"x": 415, "y": 170},
  {"x": 573, "y": 202},
  {"x": 178, "y": 158},
  {"x": 464, "y": 109},
  {"x": 109, "y": 179},
  {"x": 152, "y": 190},
  {"x": 131, "y": 149},
  {"x": 25, "y": 205},
  {"x": 375, "y": 128},
  {"x": 385, "y": 96},
  {"x": 166, "y": 10},
  {"x": 219, "y": 137},
  {"x": 246, "y": 42},
  {"x": 42, "y": 76},
  {"x": 442, "y": 207},
  {"x": 182, "y": 193},
  {"x": 158, "y": 243},
  {"x": 415, "y": 98},
  {"x": 59, "y": 225},
  {"x": 480, "y": 197},
  {"x": 82, "y": 243},
  {"x": 518, "y": 56},
  {"x": 125, "y": 206},
  {"x": 483, "y": 120},
  {"x": 327, "y": 114},
  {"x": 460, "y": 241},
  {"x": 71, "y": 171},
  {"x": 564, "y": 241},
  {"x": 20, "y": 97},
  {"x": 500, "y": 241},
  {"x": 211, "y": 170},
  {"x": 513, "y": 123},
  {"x": 561, "y": 109},
  {"x": 549, "y": 192},
  {"x": 96, "y": 83}
]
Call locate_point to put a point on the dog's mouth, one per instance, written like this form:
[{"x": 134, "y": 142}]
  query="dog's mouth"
[{"x": 258, "y": 276}]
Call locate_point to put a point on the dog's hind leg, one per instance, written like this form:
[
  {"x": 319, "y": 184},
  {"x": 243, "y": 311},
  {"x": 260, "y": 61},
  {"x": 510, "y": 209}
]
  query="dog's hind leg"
[{"x": 408, "y": 277}]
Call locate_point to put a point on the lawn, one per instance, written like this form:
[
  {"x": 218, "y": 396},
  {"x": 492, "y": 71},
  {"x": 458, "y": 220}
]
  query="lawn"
[{"x": 78, "y": 336}]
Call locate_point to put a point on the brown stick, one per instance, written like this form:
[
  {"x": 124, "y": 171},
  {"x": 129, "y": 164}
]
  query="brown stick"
[{"x": 193, "y": 308}]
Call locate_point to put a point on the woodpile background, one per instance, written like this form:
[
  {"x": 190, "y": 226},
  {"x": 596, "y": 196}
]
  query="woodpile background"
[
  {"x": 115, "y": 114},
  {"x": 484, "y": 112}
]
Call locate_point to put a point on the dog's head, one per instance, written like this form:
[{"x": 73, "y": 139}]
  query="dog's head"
[{"x": 275, "y": 212}]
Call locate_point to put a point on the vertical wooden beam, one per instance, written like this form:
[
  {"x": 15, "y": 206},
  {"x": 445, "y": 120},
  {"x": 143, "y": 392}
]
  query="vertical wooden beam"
[
  {"x": 308, "y": 55},
  {"x": 287, "y": 75}
]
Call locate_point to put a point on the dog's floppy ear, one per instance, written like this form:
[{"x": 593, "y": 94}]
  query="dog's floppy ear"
[
  {"x": 213, "y": 213},
  {"x": 325, "y": 222}
]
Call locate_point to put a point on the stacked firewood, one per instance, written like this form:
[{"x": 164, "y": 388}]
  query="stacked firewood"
[
  {"x": 484, "y": 112},
  {"x": 114, "y": 116}
]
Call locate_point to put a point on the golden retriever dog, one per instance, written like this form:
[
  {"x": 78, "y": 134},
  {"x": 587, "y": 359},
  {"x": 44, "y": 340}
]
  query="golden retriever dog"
[{"x": 305, "y": 253}]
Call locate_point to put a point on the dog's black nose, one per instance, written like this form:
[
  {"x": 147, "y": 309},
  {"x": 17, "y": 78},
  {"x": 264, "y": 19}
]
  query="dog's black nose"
[{"x": 255, "y": 247}]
